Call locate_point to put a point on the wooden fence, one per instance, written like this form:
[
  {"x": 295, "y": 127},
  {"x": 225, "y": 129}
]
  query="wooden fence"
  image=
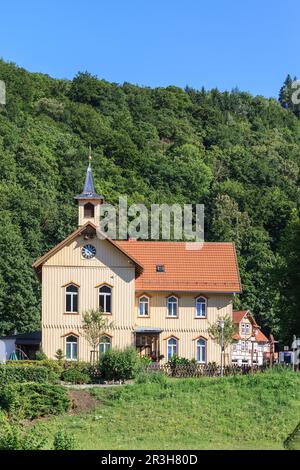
[{"x": 200, "y": 370}]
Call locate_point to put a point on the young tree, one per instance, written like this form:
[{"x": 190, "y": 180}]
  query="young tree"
[
  {"x": 215, "y": 331},
  {"x": 94, "y": 325},
  {"x": 59, "y": 355}
]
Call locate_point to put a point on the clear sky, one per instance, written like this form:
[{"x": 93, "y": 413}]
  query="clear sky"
[{"x": 251, "y": 44}]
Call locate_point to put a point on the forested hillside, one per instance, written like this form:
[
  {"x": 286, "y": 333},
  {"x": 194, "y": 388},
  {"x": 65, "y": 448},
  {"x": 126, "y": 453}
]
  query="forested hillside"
[{"x": 237, "y": 154}]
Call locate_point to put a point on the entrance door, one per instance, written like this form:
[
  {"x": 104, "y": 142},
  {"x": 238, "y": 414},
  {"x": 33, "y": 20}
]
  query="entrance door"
[{"x": 148, "y": 345}]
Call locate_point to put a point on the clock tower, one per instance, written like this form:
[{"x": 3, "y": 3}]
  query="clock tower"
[{"x": 89, "y": 201}]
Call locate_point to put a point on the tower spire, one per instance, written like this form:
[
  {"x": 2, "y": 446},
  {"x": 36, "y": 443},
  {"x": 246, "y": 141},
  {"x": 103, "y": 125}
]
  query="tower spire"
[
  {"x": 89, "y": 188},
  {"x": 89, "y": 201}
]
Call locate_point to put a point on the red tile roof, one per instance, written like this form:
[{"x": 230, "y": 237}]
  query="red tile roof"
[
  {"x": 213, "y": 268},
  {"x": 238, "y": 315},
  {"x": 260, "y": 337}
]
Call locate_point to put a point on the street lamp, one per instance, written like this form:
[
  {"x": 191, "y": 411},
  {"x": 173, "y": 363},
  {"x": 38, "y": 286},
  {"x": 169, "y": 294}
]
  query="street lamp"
[
  {"x": 253, "y": 339},
  {"x": 222, "y": 325}
]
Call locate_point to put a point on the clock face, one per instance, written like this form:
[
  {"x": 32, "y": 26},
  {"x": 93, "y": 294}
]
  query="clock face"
[{"x": 88, "y": 251}]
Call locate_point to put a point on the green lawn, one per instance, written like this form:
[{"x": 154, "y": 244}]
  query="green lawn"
[{"x": 247, "y": 412}]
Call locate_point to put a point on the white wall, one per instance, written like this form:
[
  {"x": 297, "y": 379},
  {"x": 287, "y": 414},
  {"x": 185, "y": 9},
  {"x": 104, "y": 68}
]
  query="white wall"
[{"x": 7, "y": 346}]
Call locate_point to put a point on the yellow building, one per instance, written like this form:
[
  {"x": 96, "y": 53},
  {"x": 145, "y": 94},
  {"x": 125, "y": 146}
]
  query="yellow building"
[{"x": 160, "y": 296}]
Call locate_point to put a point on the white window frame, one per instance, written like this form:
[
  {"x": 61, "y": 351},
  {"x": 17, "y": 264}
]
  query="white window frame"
[
  {"x": 105, "y": 295},
  {"x": 201, "y": 301},
  {"x": 171, "y": 302},
  {"x": 199, "y": 348},
  {"x": 173, "y": 346},
  {"x": 72, "y": 358},
  {"x": 105, "y": 343},
  {"x": 72, "y": 295},
  {"x": 143, "y": 302}
]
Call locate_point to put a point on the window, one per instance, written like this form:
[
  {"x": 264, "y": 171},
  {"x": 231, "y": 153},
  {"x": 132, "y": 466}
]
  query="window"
[
  {"x": 245, "y": 328},
  {"x": 201, "y": 350},
  {"x": 71, "y": 299},
  {"x": 160, "y": 268},
  {"x": 144, "y": 306},
  {"x": 172, "y": 348},
  {"x": 234, "y": 347},
  {"x": 172, "y": 305},
  {"x": 105, "y": 299},
  {"x": 201, "y": 304},
  {"x": 104, "y": 344},
  {"x": 243, "y": 346},
  {"x": 89, "y": 210},
  {"x": 71, "y": 348}
]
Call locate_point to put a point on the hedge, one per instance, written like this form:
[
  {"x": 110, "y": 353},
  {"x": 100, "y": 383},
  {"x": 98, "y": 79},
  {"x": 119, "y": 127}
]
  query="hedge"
[
  {"x": 31, "y": 400},
  {"x": 75, "y": 376},
  {"x": 18, "y": 374},
  {"x": 50, "y": 364}
]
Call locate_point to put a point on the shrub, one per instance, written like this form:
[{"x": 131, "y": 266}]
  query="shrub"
[
  {"x": 13, "y": 374},
  {"x": 12, "y": 437},
  {"x": 75, "y": 376},
  {"x": 31, "y": 400},
  {"x": 63, "y": 441},
  {"x": 118, "y": 364},
  {"x": 181, "y": 361},
  {"x": 59, "y": 355},
  {"x": 40, "y": 355},
  {"x": 152, "y": 377}
]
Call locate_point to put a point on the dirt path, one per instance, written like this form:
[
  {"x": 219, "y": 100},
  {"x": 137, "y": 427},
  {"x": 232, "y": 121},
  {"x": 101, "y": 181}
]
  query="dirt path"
[{"x": 82, "y": 400}]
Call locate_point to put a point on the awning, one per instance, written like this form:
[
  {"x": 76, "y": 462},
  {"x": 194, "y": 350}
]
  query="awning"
[
  {"x": 33, "y": 338},
  {"x": 149, "y": 330}
]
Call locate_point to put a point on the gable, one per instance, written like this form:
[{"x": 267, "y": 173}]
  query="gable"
[
  {"x": 69, "y": 252},
  {"x": 107, "y": 254}
]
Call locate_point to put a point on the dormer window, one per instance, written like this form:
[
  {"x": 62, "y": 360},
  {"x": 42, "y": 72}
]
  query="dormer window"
[
  {"x": 89, "y": 210},
  {"x": 160, "y": 268}
]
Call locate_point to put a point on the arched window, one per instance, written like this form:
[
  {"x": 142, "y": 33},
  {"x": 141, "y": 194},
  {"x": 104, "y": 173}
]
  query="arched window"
[
  {"x": 89, "y": 210},
  {"x": 144, "y": 306},
  {"x": 105, "y": 298},
  {"x": 71, "y": 299},
  {"x": 172, "y": 348},
  {"x": 201, "y": 307},
  {"x": 172, "y": 306},
  {"x": 104, "y": 344},
  {"x": 201, "y": 351},
  {"x": 71, "y": 348}
]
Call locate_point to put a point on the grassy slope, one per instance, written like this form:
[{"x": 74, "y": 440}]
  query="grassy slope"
[{"x": 254, "y": 412}]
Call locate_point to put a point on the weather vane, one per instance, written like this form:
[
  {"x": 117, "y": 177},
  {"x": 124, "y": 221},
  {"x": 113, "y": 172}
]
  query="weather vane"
[{"x": 90, "y": 152}]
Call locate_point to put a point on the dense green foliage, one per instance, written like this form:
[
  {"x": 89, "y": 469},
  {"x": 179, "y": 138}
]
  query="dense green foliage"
[
  {"x": 31, "y": 400},
  {"x": 237, "y": 154},
  {"x": 14, "y": 374},
  {"x": 15, "y": 436},
  {"x": 120, "y": 364},
  {"x": 75, "y": 376}
]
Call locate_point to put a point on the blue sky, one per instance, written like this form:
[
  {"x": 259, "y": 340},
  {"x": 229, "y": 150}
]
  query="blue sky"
[{"x": 218, "y": 43}]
